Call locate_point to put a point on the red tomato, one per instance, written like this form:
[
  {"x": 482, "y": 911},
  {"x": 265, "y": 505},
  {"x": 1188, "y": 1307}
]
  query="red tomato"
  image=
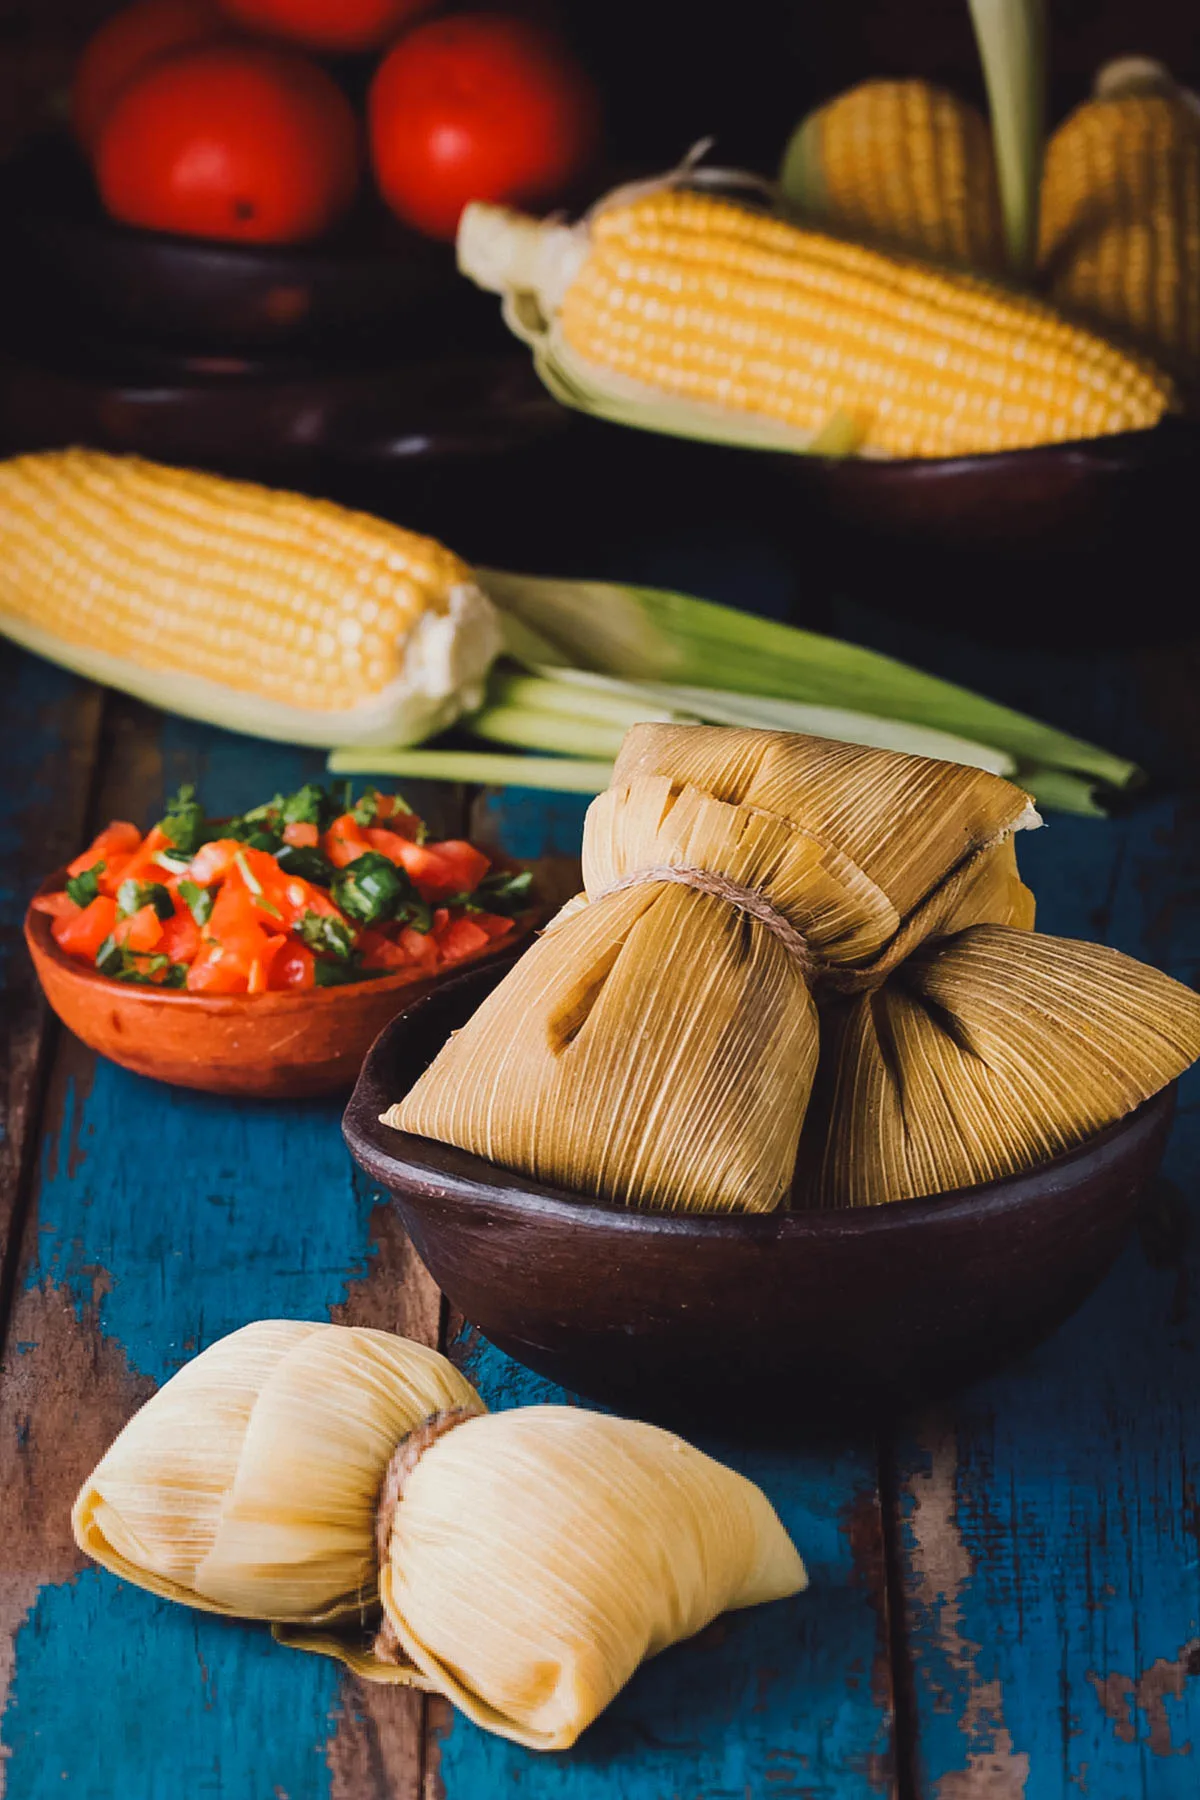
[
  {"x": 345, "y": 841},
  {"x": 213, "y": 861},
  {"x": 460, "y": 938},
  {"x": 420, "y": 947},
  {"x": 180, "y": 936},
  {"x": 258, "y": 977},
  {"x": 305, "y": 836},
  {"x": 477, "y": 107},
  {"x": 83, "y": 934},
  {"x": 334, "y": 25},
  {"x": 294, "y": 967},
  {"x": 493, "y": 923},
  {"x": 230, "y": 141},
  {"x": 118, "y": 839},
  {"x": 55, "y": 906},
  {"x": 143, "y": 865},
  {"x": 440, "y": 870},
  {"x": 141, "y": 930},
  {"x": 215, "y": 971},
  {"x": 125, "y": 45},
  {"x": 382, "y": 952}
]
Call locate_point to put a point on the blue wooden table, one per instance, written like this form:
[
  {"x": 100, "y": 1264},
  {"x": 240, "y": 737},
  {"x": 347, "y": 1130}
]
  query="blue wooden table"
[{"x": 1005, "y": 1595}]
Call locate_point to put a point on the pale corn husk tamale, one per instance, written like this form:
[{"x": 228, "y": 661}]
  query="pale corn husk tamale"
[
  {"x": 248, "y": 1484},
  {"x": 660, "y": 1047},
  {"x": 526, "y": 1561},
  {"x": 539, "y": 1555}
]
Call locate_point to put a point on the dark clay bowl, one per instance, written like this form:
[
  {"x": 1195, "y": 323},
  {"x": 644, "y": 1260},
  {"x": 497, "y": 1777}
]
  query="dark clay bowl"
[
  {"x": 1129, "y": 489},
  {"x": 72, "y": 262},
  {"x": 800, "y": 1312}
]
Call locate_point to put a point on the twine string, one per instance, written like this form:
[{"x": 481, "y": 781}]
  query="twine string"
[
  {"x": 405, "y": 1457},
  {"x": 747, "y": 900}
]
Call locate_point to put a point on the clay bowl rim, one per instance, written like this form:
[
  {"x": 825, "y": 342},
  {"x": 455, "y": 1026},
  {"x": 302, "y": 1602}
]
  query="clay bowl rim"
[
  {"x": 1174, "y": 436},
  {"x": 435, "y": 1171},
  {"x": 40, "y": 942}
]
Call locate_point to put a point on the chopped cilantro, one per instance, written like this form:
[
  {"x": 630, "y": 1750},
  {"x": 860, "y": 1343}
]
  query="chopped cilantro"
[
  {"x": 184, "y": 821},
  {"x": 309, "y": 805},
  {"x": 133, "y": 895},
  {"x": 371, "y": 888},
  {"x": 198, "y": 900},
  {"x": 305, "y": 863},
  {"x": 150, "y": 968},
  {"x": 326, "y": 936},
  {"x": 85, "y": 888},
  {"x": 505, "y": 891}
]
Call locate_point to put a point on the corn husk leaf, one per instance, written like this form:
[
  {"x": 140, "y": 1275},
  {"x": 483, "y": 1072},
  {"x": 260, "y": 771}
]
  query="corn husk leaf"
[
  {"x": 653, "y": 635},
  {"x": 1011, "y": 35},
  {"x": 248, "y": 1484},
  {"x": 657, "y": 1048},
  {"x": 992, "y": 1050},
  {"x": 601, "y": 1542}
]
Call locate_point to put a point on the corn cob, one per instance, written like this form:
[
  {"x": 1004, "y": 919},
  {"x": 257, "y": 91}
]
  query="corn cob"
[
  {"x": 266, "y": 612},
  {"x": 902, "y": 164},
  {"x": 686, "y": 297},
  {"x": 1120, "y": 223}
]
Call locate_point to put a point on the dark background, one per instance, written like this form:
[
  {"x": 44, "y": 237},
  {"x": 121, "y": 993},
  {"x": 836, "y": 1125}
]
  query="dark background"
[{"x": 743, "y": 71}]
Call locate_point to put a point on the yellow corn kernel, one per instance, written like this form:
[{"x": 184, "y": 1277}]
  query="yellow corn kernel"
[
  {"x": 190, "y": 583},
  {"x": 709, "y": 301},
  {"x": 1120, "y": 218},
  {"x": 902, "y": 164}
]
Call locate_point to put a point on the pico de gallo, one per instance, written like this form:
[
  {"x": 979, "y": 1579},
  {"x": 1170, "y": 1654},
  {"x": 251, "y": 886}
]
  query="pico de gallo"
[{"x": 311, "y": 889}]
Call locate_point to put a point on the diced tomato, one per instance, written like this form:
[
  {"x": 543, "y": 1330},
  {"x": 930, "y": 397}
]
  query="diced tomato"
[
  {"x": 259, "y": 976},
  {"x": 304, "y": 836},
  {"x": 345, "y": 841},
  {"x": 260, "y": 876},
  {"x": 142, "y": 930},
  {"x": 114, "y": 874},
  {"x": 439, "y": 870},
  {"x": 379, "y": 951},
  {"x": 143, "y": 864},
  {"x": 180, "y": 936},
  {"x": 215, "y": 971},
  {"x": 212, "y": 862},
  {"x": 460, "y": 938},
  {"x": 83, "y": 934},
  {"x": 118, "y": 839},
  {"x": 388, "y": 843},
  {"x": 493, "y": 923},
  {"x": 57, "y": 906},
  {"x": 298, "y": 897},
  {"x": 420, "y": 947},
  {"x": 294, "y": 967},
  {"x": 405, "y": 823}
]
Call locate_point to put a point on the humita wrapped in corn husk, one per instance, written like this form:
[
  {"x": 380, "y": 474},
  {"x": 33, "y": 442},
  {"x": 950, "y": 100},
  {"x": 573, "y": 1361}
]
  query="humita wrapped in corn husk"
[
  {"x": 350, "y": 1486},
  {"x": 801, "y": 970}
]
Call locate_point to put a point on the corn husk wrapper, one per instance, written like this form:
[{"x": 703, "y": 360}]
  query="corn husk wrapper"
[
  {"x": 539, "y": 1556},
  {"x": 658, "y": 1047},
  {"x": 248, "y": 1484},
  {"x": 529, "y": 1566}
]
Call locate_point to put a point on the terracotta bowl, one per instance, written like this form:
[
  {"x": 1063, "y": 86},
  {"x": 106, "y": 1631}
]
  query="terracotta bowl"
[
  {"x": 774, "y": 1316},
  {"x": 280, "y": 1046}
]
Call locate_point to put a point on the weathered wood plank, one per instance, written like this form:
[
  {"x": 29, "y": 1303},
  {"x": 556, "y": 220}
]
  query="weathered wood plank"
[
  {"x": 51, "y": 729},
  {"x": 1046, "y": 1522},
  {"x": 162, "y": 1219},
  {"x": 787, "y": 1700}
]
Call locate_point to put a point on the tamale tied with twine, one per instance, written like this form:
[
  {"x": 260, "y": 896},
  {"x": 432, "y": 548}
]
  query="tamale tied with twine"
[
  {"x": 350, "y": 1486},
  {"x": 800, "y": 970}
]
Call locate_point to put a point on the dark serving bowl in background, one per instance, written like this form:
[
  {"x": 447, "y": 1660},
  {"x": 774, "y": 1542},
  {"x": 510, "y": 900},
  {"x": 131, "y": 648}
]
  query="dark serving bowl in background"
[{"x": 776, "y": 1317}]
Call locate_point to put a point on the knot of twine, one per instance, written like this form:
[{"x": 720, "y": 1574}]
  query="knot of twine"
[
  {"x": 747, "y": 900},
  {"x": 405, "y": 1457}
]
